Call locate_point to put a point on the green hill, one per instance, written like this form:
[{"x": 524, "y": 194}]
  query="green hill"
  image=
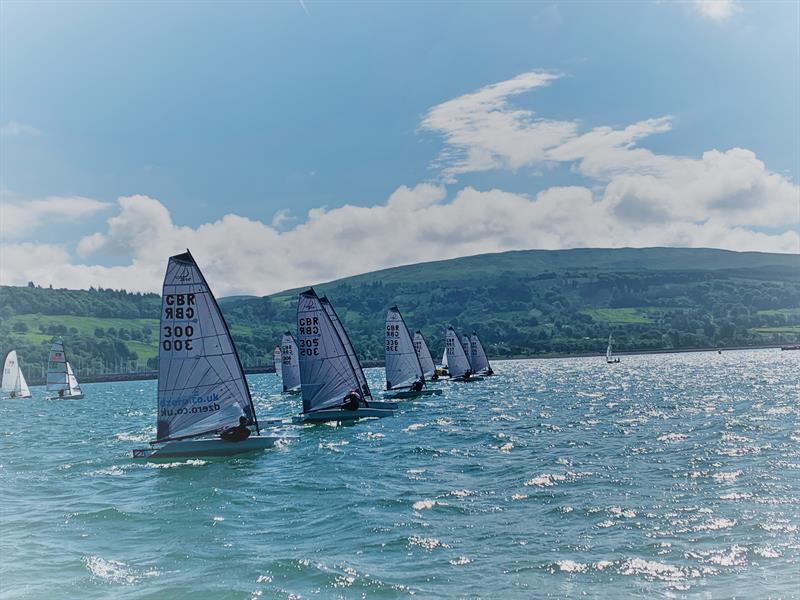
[{"x": 522, "y": 303}]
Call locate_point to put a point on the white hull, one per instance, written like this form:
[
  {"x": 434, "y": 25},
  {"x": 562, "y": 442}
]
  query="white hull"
[
  {"x": 408, "y": 394},
  {"x": 17, "y": 397},
  {"x": 207, "y": 447},
  {"x": 67, "y": 397},
  {"x": 324, "y": 416},
  {"x": 467, "y": 379}
]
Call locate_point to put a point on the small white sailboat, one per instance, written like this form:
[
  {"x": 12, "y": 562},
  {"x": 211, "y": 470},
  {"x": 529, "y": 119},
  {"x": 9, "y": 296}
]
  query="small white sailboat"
[
  {"x": 425, "y": 358},
  {"x": 290, "y": 364},
  {"x": 443, "y": 370},
  {"x": 477, "y": 358},
  {"x": 457, "y": 361},
  {"x": 332, "y": 382},
  {"x": 609, "y": 354},
  {"x": 60, "y": 378},
  {"x": 405, "y": 377},
  {"x": 202, "y": 390},
  {"x": 277, "y": 361},
  {"x": 14, "y": 384}
]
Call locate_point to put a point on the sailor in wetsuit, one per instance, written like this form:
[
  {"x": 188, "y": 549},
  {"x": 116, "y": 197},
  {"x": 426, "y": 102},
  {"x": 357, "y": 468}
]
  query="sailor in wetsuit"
[
  {"x": 236, "y": 434},
  {"x": 353, "y": 401},
  {"x": 418, "y": 385}
]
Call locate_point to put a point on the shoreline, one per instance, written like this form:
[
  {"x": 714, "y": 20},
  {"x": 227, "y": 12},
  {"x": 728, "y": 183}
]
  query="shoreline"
[{"x": 368, "y": 364}]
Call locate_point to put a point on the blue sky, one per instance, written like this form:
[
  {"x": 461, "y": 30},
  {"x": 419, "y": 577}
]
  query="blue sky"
[{"x": 123, "y": 121}]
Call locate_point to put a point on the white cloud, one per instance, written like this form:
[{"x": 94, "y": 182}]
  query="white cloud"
[
  {"x": 717, "y": 10},
  {"x": 240, "y": 255},
  {"x": 482, "y": 131},
  {"x": 18, "y": 219},
  {"x": 15, "y": 128}
]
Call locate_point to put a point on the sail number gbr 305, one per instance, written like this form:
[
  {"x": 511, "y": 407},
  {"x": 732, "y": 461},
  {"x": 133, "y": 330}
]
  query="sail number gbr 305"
[
  {"x": 178, "y": 337},
  {"x": 308, "y": 328}
]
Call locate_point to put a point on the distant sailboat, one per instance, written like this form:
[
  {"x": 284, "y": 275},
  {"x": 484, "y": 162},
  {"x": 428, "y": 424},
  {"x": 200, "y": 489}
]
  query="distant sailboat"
[
  {"x": 14, "y": 384},
  {"x": 276, "y": 360},
  {"x": 457, "y": 361},
  {"x": 60, "y": 378},
  {"x": 202, "y": 389},
  {"x": 443, "y": 370},
  {"x": 332, "y": 382},
  {"x": 477, "y": 358},
  {"x": 405, "y": 377},
  {"x": 425, "y": 358},
  {"x": 609, "y": 354},
  {"x": 290, "y": 364}
]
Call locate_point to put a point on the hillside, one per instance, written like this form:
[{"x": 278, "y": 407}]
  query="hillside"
[{"x": 523, "y": 303}]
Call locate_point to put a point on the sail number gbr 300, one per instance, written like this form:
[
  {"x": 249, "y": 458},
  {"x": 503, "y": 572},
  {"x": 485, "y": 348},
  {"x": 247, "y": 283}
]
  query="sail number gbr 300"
[
  {"x": 308, "y": 326},
  {"x": 178, "y": 337}
]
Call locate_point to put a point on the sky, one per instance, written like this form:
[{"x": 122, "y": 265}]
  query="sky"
[{"x": 291, "y": 143}]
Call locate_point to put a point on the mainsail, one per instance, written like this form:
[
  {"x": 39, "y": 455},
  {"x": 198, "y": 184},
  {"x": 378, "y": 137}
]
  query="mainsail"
[
  {"x": 608, "y": 349},
  {"x": 403, "y": 366},
  {"x": 444, "y": 358},
  {"x": 277, "y": 360},
  {"x": 351, "y": 353},
  {"x": 326, "y": 369},
  {"x": 74, "y": 388},
  {"x": 477, "y": 358},
  {"x": 13, "y": 379},
  {"x": 457, "y": 362},
  {"x": 57, "y": 379},
  {"x": 424, "y": 354},
  {"x": 201, "y": 384},
  {"x": 290, "y": 365}
]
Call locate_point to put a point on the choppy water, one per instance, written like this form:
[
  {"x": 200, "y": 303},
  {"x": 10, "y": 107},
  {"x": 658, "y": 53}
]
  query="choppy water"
[{"x": 662, "y": 476}]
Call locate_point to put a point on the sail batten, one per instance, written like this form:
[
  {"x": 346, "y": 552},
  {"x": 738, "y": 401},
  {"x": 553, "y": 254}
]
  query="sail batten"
[
  {"x": 290, "y": 365},
  {"x": 201, "y": 383},
  {"x": 327, "y": 370},
  {"x": 424, "y": 354},
  {"x": 403, "y": 366},
  {"x": 457, "y": 362}
]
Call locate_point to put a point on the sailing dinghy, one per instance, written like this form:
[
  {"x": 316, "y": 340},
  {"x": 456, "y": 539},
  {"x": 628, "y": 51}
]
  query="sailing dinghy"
[
  {"x": 477, "y": 358},
  {"x": 457, "y": 361},
  {"x": 353, "y": 358},
  {"x": 60, "y": 378},
  {"x": 332, "y": 382},
  {"x": 425, "y": 358},
  {"x": 14, "y": 384},
  {"x": 609, "y": 354},
  {"x": 201, "y": 385},
  {"x": 443, "y": 370},
  {"x": 405, "y": 377},
  {"x": 290, "y": 364}
]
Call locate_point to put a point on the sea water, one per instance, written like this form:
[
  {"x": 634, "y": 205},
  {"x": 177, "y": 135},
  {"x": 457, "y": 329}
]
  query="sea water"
[{"x": 661, "y": 476}]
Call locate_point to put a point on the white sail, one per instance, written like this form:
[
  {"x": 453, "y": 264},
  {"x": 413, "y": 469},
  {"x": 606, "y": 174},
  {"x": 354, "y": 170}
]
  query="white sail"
[
  {"x": 277, "y": 361},
  {"x": 457, "y": 362},
  {"x": 290, "y": 363},
  {"x": 351, "y": 353},
  {"x": 478, "y": 359},
  {"x": 467, "y": 353},
  {"x": 201, "y": 384},
  {"x": 24, "y": 392},
  {"x": 444, "y": 358},
  {"x": 608, "y": 349},
  {"x": 13, "y": 380},
  {"x": 424, "y": 354},
  {"x": 402, "y": 363},
  {"x": 74, "y": 388},
  {"x": 326, "y": 370},
  {"x": 57, "y": 380}
]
